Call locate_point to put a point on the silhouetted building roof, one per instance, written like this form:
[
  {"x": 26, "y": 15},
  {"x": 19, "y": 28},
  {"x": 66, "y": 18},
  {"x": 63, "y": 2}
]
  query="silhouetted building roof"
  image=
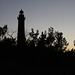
[{"x": 21, "y": 12}]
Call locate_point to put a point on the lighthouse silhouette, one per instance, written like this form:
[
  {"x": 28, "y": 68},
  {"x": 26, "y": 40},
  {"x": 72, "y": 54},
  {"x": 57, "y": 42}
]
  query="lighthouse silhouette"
[{"x": 21, "y": 29}]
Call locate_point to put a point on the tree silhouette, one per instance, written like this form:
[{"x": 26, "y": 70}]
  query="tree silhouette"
[
  {"x": 5, "y": 38},
  {"x": 3, "y": 31},
  {"x": 48, "y": 40},
  {"x": 51, "y": 37},
  {"x": 33, "y": 38},
  {"x": 74, "y": 42},
  {"x": 61, "y": 43},
  {"x": 42, "y": 40}
]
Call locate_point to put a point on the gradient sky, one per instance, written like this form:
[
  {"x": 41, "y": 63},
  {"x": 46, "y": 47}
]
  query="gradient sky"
[{"x": 41, "y": 14}]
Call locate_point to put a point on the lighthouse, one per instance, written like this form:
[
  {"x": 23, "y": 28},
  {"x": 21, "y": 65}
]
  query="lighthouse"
[{"x": 21, "y": 29}]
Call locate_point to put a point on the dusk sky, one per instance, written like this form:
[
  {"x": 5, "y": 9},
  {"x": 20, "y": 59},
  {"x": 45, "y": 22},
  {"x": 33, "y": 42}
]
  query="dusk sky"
[{"x": 41, "y": 14}]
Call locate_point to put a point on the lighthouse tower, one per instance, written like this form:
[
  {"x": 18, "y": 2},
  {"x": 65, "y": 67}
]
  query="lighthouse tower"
[{"x": 21, "y": 30}]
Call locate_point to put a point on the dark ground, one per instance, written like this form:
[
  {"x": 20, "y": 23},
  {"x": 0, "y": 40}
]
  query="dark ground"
[{"x": 36, "y": 62}]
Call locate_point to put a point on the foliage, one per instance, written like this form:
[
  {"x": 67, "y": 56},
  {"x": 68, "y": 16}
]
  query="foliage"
[
  {"x": 61, "y": 43},
  {"x": 3, "y": 31},
  {"x": 51, "y": 39},
  {"x": 5, "y": 38}
]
